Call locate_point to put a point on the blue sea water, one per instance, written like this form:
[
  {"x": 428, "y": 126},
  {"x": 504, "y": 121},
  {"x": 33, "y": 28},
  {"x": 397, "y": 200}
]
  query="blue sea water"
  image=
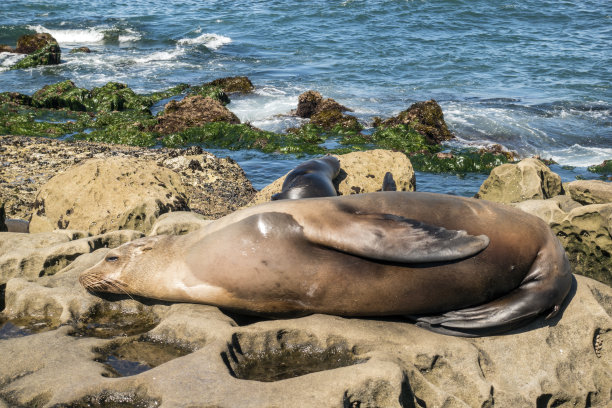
[{"x": 534, "y": 76}]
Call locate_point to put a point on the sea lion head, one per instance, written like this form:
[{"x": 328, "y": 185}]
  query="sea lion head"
[{"x": 126, "y": 269}]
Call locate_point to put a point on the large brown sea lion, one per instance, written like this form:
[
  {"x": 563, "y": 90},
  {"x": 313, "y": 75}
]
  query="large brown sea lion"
[{"x": 462, "y": 266}]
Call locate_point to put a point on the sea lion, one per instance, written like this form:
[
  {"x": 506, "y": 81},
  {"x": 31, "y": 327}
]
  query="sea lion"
[
  {"x": 462, "y": 266},
  {"x": 312, "y": 178}
]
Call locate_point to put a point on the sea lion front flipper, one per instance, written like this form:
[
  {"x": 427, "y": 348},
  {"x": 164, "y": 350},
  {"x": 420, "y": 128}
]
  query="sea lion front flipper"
[{"x": 391, "y": 238}]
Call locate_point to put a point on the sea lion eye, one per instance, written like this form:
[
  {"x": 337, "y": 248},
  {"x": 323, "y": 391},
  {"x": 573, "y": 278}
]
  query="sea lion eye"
[{"x": 111, "y": 258}]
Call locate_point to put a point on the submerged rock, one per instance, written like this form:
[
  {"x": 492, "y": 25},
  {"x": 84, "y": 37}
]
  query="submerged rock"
[
  {"x": 526, "y": 180},
  {"x": 84, "y": 50},
  {"x": 192, "y": 111}
]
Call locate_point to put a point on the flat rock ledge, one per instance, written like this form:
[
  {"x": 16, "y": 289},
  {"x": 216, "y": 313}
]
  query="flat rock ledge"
[
  {"x": 213, "y": 186},
  {"x": 315, "y": 361}
]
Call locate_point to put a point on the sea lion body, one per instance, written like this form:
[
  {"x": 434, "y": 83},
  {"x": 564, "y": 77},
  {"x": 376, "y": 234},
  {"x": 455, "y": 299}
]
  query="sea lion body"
[
  {"x": 312, "y": 178},
  {"x": 358, "y": 255}
]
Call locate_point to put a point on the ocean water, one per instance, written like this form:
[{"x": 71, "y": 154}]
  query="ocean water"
[{"x": 533, "y": 76}]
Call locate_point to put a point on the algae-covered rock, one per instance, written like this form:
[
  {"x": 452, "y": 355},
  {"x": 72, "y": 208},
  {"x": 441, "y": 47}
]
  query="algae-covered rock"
[
  {"x": 42, "y": 49},
  {"x": 605, "y": 168},
  {"x": 62, "y": 95},
  {"x": 308, "y": 103},
  {"x": 115, "y": 96},
  {"x": 457, "y": 161},
  {"x": 108, "y": 194},
  {"x": 424, "y": 117},
  {"x": 15, "y": 98},
  {"x": 192, "y": 111},
  {"x": 526, "y": 180},
  {"x": 360, "y": 172},
  {"x": 590, "y": 191},
  {"x": 238, "y": 84},
  {"x": 586, "y": 235}
]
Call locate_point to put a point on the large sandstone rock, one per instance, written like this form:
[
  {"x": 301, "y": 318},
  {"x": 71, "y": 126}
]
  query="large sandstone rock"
[
  {"x": 548, "y": 210},
  {"x": 590, "y": 191},
  {"x": 214, "y": 186},
  {"x": 192, "y": 111},
  {"x": 529, "y": 179},
  {"x": 360, "y": 172},
  {"x": 105, "y": 195},
  {"x": 312, "y": 361}
]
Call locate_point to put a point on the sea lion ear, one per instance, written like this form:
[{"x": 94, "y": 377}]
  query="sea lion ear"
[{"x": 391, "y": 238}]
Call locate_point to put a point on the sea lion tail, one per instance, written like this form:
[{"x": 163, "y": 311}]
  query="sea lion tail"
[{"x": 543, "y": 290}]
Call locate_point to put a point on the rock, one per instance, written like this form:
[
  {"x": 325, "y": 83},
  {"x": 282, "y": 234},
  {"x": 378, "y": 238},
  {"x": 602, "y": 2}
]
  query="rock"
[
  {"x": 85, "y": 50},
  {"x": 325, "y": 113},
  {"x": 590, "y": 191},
  {"x": 6, "y": 48},
  {"x": 238, "y": 84},
  {"x": 565, "y": 202},
  {"x": 360, "y": 172},
  {"x": 424, "y": 117},
  {"x": 192, "y": 111},
  {"x": 104, "y": 195},
  {"x": 17, "y": 225},
  {"x": 307, "y": 104},
  {"x": 586, "y": 235},
  {"x": 42, "y": 49},
  {"x": 529, "y": 179},
  {"x": 178, "y": 223},
  {"x": 62, "y": 95},
  {"x": 29, "y": 43},
  {"x": 214, "y": 186},
  {"x": 31, "y": 256},
  {"x": 548, "y": 210},
  {"x": 317, "y": 360}
]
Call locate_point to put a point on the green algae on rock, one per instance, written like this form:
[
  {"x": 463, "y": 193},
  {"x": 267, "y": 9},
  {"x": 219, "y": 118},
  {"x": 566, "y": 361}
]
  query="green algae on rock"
[
  {"x": 241, "y": 136},
  {"x": 42, "y": 49},
  {"x": 62, "y": 95},
  {"x": 605, "y": 168},
  {"x": 237, "y": 84},
  {"x": 458, "y": 161},
  {"x": 424, "y": 117}
]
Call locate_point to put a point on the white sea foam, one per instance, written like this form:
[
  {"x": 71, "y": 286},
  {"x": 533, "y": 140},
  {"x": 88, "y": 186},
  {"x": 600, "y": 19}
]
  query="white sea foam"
[
  {"x": 266, "y": 108},
  {"x": 579, "y": 156},
  {"x": 7, "y": 59},
  {"x": 129, "y": 36},
  {"x": 209, "y": 40},
  {"x": 73, "y": 36}
]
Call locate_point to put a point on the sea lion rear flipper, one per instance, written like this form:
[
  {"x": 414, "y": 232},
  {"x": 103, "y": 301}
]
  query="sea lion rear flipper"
[
  {"x": 542, "y": 291},
  {"x": 388, "y": 182},
  {"x": 391, "y": 238}
]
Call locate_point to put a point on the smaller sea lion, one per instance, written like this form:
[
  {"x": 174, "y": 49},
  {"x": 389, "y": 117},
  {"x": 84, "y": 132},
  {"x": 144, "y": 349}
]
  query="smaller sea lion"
[
  {"x": 312, "y": 178},
  {"x": 388, "y": 182}
]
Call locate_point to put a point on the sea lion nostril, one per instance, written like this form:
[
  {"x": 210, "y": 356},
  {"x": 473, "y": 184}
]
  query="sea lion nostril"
[{"x": 112, "y": 258}]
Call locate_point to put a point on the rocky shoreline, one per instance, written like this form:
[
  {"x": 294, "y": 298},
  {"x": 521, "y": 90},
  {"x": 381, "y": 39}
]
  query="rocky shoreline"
[{"x": 69, "y": 348}]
